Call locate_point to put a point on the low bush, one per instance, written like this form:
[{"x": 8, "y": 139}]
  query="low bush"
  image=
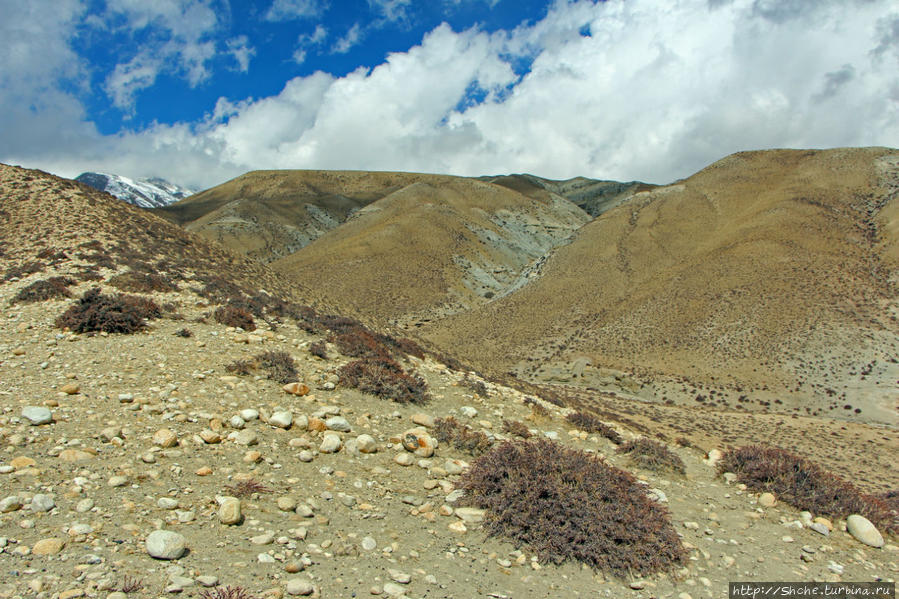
[
  {"x": 805, "y": 485},
  {"x": 186, "y": 333},
  {"x": 141, "y": 282},
  {"x": 232, "y": 316},
  {"x": 320, "y": 349},
  {"x": 96, "y": 312},
  {"x": 45, "y": 289},
  {"x": 242, "y": 367},
  {"x": 246, "y": 488},
  {"x": 279, "y": 365},
  {"x": 228, "y": 592},
  {"x": 516, "y": 428},
  {"x": 383, "y": 377},
  {"x": 592, "y": 424},
  {"x": 566, "y": 504},
  {"x": 449, "y": 431},
  {"x": 475, "y": 385},
  {"x": 652, "y": 455}
]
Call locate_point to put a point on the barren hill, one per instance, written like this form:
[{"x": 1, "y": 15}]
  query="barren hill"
[
  {"x": 766, "y": 275},
  {"x": 433, "y": 247}
]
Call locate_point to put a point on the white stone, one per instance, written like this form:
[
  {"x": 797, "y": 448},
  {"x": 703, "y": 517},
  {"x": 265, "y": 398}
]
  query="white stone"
[
  {"x": 468, "y": 411},
  {"x": 338, "y": 423},
  {"x": 366, "y": 444},
  {"x": 249, "y": 414},
  {"x": 299, "y": 586},
  {"x": 42, "y": 503},
  {"x": 863, "y": 530},
  {"x": 230, "y": 511},
  {"x": 165, "y": 544},
  {"x": 37, "y": 415},
  {"x": 331, "y": 443}
]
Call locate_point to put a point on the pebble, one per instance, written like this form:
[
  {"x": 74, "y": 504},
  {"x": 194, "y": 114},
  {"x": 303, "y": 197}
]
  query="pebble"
[
  {"x": 423, "y": 420},
  {"x": 165, "y": 438},
  {"x": 287, "y": 504},
  {"x": 247, "y": 437},
  {"x": 864, "y": 531},
  {"x": 404, "y": 459},
  {"x": 205, "y": 581},
  {"x": 399, "y": 576},
  {"x": 74, "y": 455},
  {"x": 338, "y": 423},
  {"x": 210, "y": 436},
  {"x": 305, "y": 456},
  {"x": 393, "y": 589},
  {"x": 50, "y": 546},
  {"x": 266, "y": 538},
  {"x": 165, "y": 544},
  {"x": 167, "y": 503},
  {"x": 713, "y": 457},
  {"x": 85, "y": 505},
  {"x": 331, "y": 443},
  {"x": 470, "y": 515},
  {"x": 281, "y": 419},
  {"x": 366, "y": 444},
  {"x": 299, "y": 586},
  {"x": 42, "y": 503},
  {"x": 118, "y": 481},
  {"x": 230, "y": 511},
  {"x": 819, "y": 528},
  {"x": 70, "y": 388},
  {"x": 468, "y": 411},
  {"x": 237, "y": 422},
  {"x": 767, "y": 500},
  {"x": 37, "y": 415},
  {"x": 369, "y": 544},
  {"x": 10, "y": 504},
  {"x": 296, "y": 389},
  {"x": 249, "y": 414}
]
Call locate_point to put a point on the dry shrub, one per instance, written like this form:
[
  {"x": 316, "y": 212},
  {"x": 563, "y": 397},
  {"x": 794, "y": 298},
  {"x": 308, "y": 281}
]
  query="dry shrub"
[
  {"x": 232, "y": 316},
  {"x": 652, "y": 455},
  {"x": 186, "y": 333},
  {"x": 359, "y": 342},
  {"x": 517, "y": 428},
  {"x": 45, "y": 289},
  {"x": 475, "y": 385},
  {"x": 461, "y": 436},
  {"x": 228, "y": 592},
  {"x": 383, "y": 377},
  {"x": 538, "y": 411},
  {"x": 320, "y": 349},
  {"x": 242, "y": 367},
  {"x": 18, "y": 272},
  {"x": 592, "y": 424},
  {"x": 804, "y": 484},
  {"x": 96, "y": 312},
  {"x": 279, "y": 365},
  {"x": 566, "y": 504},
  {"x": 246, "y": 488},
  {"x": 141, "y": 282}
]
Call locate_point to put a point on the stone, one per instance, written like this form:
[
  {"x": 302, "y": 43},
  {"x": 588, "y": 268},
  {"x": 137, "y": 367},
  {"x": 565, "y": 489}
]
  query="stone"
[
  {"x": 207, "y": 580},
  {"x": 247, "y": 437},
  {"x": 237, "y": 423},
  {"x": 458, "y": 526},
  {"x": 74, "y": 455},
  {"x": 366, "y": 444},
  {"x": 820, "y": 528},
  {"x": 210, "y": 436},
  {"x": 331, "y": 443},
  {"x": 713, "y": 457},
  {"x": 230, "y": 511},
  {"x": 165, "y": 544},
  {"x": 281, "y": 419},
  {"x": 767, "y": 500},
  {"x": 50, "y": 546},
  {"x": 393, "y": 589},
  {"x": 117, "y": 481},
  {"x": 369, "y": 544},
  {"x": 470, "y": 515},
  {"x": 85, "y": 505},
  {"x": 299, "y": 586},
  {"x": 468, "y": 411},
  {"x": 305, "y": 456},
  {"x": 287, "y": 504},
  {"x": 266, "y": 538},
  {"x": 70, "y": 388},
  {"x": 10, "y": 504},
  {"x": 864, "y": 531},
  {"x": 249, "y": 414},
  {"x": 424, "y": 420},
  {"x": 167, "y": 503},
  {"x": 399, "y": 576},
  {"x": 20, "y": 462},
  {"x": 42, "y": 503},
  {"x": 404, "y": 459},
  {"x": 298, "y": 389},
  {"x": 37, "y": 415},
  {"x": 338, "y": 423},
  {"x": 419, "y": 442},
  {"x": 165, "y": 438}
]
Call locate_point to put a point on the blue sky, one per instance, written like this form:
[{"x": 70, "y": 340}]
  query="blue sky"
[{"x": 199, "y": 91}]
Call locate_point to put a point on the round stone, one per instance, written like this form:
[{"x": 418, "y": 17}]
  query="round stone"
[
  {"x": 366, "y": 444},
  {"x": 299, "y": 586},
  {"x": 331, "y": 443},
  {"x": 767, "y": 500},
  {"x": 37, "y": 415},
  {"x": 863, "y": 530},
  {"x": 230, "y": 511},
  {"x": 165, "y": 544},
  {"x": 282, "y": 419}
]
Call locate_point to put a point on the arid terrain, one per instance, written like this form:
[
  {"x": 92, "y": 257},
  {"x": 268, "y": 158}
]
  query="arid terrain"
[{"x": 769, "y": 275}]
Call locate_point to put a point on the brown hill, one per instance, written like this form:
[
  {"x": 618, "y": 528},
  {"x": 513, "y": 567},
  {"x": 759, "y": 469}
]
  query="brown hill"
[
  {"x": 767, "y": 277},
  {"x": 433, "y": 247}
]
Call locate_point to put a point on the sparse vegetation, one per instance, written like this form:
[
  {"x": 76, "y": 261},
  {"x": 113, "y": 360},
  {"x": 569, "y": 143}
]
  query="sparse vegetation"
[
  {"x": 319, "y": 349},
  {"x": 142, "y": 282},
  {"x": 592, "y": 424},
  {"x": 566, "y": 504},
  {"x": 96, "y": 312},
  {"x": 516, "y": 428},
  {"x": 804, "y": 484},
  {"x": 232, "y": 316},
  {"x": 130, "y": 584},
  {"x": 652, "y": 455},
  {"x": 45, "y": 289},
  {"x": 186, "y": 333},
  {"x": 246, "y": 488},
  {"x": 461, "y": 436},
  {"x": 228, "y": 592},
  {"x": 279, "y": 365},
  {"x": 383, "y": 377}
]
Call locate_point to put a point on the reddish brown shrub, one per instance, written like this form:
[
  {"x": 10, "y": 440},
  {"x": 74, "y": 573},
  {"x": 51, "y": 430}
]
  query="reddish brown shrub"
[
  {"x": 517, "y": 428},
  {"x": 358, "y": 342},
  {"x": 652, "y": 455},
  {"x": 280, "y": 366},
  {"x": 461, "y": 436},
  {"x": 592, "y": 424},
  {"x": 45, "y": 289},
  {"x": 228, "y": 592},
  {"x": 233, "y": 316},
  {"x": 804, "y": 484},
  {"x": 246, "y": 488},
  {"x": 141, "y": 282},
  {"x": 570, "y": 505},
  {"x": 383, "y": 377},
  {"x": 106, "y": 313},
  {"x": 320, "y": 349}
]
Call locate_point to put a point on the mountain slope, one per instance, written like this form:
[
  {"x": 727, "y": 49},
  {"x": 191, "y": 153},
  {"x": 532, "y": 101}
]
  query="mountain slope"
[
  {"x": 766, "y": 276},
  {"x": 145, "y": 193},
  {"x": 436, "y": 246}
]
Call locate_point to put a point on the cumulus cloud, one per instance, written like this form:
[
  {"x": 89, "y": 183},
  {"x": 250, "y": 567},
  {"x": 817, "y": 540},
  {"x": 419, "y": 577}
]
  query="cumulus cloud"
[{"x": 624, "y": 89}]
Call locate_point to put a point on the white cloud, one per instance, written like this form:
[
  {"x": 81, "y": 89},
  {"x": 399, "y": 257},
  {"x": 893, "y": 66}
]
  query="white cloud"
[
  {"x": 391, "y": 10},
  {"x": 309, "y": 40},
  {"x": 240, "y": 48},
  {"x": 129, "y": 78},
  {"x": 654, "y": 92},
  {"x": 350, "y": 39},
  {"x": 289, "y": 10}
]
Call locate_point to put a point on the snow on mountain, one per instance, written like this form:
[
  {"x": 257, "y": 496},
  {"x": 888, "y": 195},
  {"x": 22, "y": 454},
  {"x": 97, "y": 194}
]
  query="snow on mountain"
[{"x": 146, "y": 193}]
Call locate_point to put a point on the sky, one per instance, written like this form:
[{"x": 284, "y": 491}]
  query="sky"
[{"x": 201, "y": 91}]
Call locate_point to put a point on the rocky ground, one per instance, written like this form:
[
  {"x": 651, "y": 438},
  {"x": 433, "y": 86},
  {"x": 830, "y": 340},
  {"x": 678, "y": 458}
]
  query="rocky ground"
[{"x": 108, "y": 440}]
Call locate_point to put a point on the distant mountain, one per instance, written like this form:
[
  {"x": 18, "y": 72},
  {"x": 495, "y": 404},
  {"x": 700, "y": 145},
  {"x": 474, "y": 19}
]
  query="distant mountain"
[{"x": 146, "y": 193}]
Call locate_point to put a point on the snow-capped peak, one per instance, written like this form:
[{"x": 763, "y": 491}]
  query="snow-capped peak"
[{"x": 146, "y": 193}]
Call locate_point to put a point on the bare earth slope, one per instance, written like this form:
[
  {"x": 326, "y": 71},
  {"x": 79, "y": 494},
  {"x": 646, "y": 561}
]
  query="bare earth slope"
[
  {"x": 766, "y": 275},
  {"x": 437, "y": 246}
]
